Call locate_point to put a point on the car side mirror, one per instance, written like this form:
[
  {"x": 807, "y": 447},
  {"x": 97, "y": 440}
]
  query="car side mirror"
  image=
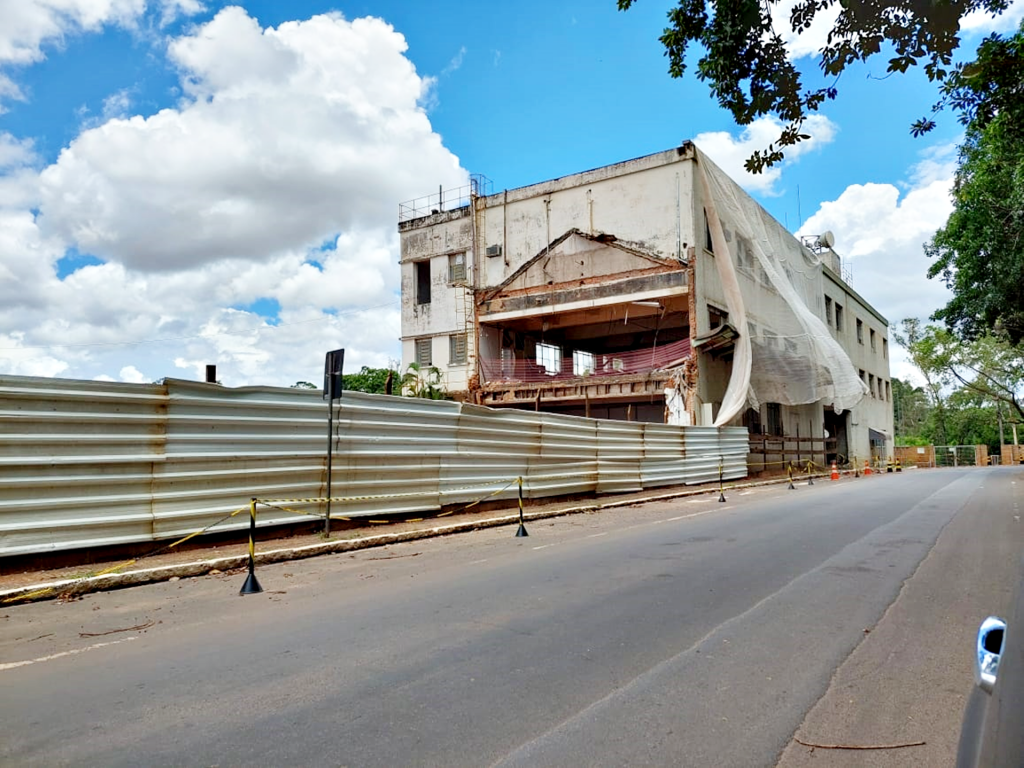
[{"x": 989, "y": 647}]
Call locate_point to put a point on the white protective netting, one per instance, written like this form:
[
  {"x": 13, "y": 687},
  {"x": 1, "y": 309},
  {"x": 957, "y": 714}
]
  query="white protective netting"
[{"x": 772, "y": 285}]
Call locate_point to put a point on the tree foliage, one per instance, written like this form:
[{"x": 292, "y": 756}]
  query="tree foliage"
[
  {"x": 376, "y": 381},
  {"x": 968, "y": 385},
  {"x": 423, "y": 381},
  {"x": 748, "y": 70},
  {"x": 979, "y": 253},
  {"x": 911, "y": 410}
]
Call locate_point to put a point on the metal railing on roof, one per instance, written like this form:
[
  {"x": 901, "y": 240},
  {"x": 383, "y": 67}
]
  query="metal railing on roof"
[{"x": 446, "y": 199}]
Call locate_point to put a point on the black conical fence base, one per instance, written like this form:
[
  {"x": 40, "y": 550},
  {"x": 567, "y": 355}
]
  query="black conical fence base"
[
  {"x": 810, "y": 481},
  {"x": 251, "y": 586},
  {"x": 521, "y": 532},
  {"x": 791, "y": 486},
  {"x": 721, "y": 497}
]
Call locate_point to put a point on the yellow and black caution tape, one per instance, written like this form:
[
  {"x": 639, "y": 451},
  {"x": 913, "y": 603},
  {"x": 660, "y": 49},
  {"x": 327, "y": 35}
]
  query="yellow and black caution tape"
[
  {"x": 64, "y": 588},
  {"x": 272, "y": 503}
]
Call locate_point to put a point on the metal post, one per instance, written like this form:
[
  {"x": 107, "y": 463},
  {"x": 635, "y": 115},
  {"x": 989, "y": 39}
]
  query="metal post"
[
  {"x": 522, "y": 528},
  {"x": 721, "y": 474},
  {"x": 252, "y": 585},
  {"x": 330, "y": 454}
]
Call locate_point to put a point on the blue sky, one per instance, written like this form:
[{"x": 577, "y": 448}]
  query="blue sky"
[{"x": 184, "y": 182}]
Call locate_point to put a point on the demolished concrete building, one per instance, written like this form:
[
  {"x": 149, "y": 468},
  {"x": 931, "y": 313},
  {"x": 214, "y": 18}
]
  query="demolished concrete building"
[{"x": 650, "y": 290}]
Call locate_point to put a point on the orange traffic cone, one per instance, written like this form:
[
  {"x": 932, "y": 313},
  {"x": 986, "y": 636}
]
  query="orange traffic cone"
[
  {"x": 835, "y": 471},
  {"x": 867, "y": 468}
]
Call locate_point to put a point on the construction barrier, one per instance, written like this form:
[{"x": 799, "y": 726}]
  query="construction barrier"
[{"x": 86, "y": 464}]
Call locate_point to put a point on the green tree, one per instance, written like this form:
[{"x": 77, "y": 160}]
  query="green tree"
[
  {"x": 972, "y": 420},
  {"x": 928, "y": 357},
  {"x": 979, "y": 253},
  {"x": 989, "y": 367},
  {"x": 912, "y": 412},
  {"x": 377, "y": 381},
  {"x": 303, "y": 385},
  {"x": 745, "y": 64},
  {"x": 423, "y": 381}
]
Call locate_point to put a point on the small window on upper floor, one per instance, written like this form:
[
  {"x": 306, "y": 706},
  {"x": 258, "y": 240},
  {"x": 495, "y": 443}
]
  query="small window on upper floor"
[
  {"x": 422, "y": 281},
  {"x": 871, "y": 385},
  {"x": 457, "y": 268},
  {"x": 457, "y": 349},
  {"x": 885, "y": 348},
  {"x": 839, "y": 316},
  {"x": 424, "y": 358},
  {"x": 549, "y": 357},
  {"x": 583, "y": 363},
  {"x": 860, "y": 332},
  {"x": 707, "y": 235},
  {"x": 871, "y": 335},
  {"x": 828, "y": 311},
  {"x": 716, "y": 317}
]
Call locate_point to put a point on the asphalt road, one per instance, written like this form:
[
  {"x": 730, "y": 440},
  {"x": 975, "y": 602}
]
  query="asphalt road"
[{"x": 676, "y": 633}]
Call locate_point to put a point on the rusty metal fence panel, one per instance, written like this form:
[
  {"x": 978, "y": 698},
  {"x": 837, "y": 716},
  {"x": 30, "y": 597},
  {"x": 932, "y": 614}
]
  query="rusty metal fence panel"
[
  {"x": 663, "y": 461},
  {"x": 620, "y": 450},
  {"x": 85, "y": 464}
]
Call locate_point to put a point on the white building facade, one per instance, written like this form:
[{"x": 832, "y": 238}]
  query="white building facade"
[{"x": 650, "y": 290}]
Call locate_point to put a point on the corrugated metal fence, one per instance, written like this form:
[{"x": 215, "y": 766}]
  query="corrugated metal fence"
[{"x": 86, "y": 463}]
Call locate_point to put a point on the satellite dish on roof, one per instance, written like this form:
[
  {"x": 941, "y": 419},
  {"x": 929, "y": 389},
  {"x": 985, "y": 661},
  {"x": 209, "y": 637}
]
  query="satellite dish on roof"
[{"x": 826, "y": 239}]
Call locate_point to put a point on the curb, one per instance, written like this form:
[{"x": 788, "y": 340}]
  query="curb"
[{"x": 74, "y": 587}]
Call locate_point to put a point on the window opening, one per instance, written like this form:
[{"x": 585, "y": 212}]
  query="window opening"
[
  {"x": 422, "y": 282},
  {"x": 457, "y": 268},
  {"x": 550, "y": 358},
  {"x": 582, "y": 363},
  {"x": 457, "y": 349},
  {"x": 423, "y": 353},
  {"x": 716, "y": 317}
]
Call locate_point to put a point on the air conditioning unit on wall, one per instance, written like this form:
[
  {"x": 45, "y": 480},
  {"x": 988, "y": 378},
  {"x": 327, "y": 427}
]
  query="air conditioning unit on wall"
[{"x": 493, "y": 250}]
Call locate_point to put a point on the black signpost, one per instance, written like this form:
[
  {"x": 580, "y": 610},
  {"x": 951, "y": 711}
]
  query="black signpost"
[{"x": 333, "y": 365}]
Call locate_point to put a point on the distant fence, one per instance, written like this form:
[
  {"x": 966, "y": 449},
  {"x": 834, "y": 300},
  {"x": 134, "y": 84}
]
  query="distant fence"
[
  {"x": 946, "y": 455},
  {"x": 1012, "y": 454},
  {"x": 921, "y": 456},
  {"x": 86, "y": 463},
  {"x": 774, "y": 454}
]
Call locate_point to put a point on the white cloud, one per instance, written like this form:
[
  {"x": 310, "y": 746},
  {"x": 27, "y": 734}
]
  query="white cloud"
[
  {"x": 276, "y": 179},
  {"x": 18, "y": 360},
  {"x": 456, "y": 62},
  {"x": 982, "y": 23},
  {"x": 15, "y": 152},
  {"x": 880, "y": 235},
  {"x": 729, "y": 152},
  {"x": 811, "y": 40},
  {"x": 133, "y": 375},
  {"x": 288, "y": 136},
  {"x": 30, "y": 26},
  {"x": 171, "y": 10}
]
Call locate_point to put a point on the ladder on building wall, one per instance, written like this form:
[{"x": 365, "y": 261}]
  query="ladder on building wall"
[{"x": 464, "y": 315}]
